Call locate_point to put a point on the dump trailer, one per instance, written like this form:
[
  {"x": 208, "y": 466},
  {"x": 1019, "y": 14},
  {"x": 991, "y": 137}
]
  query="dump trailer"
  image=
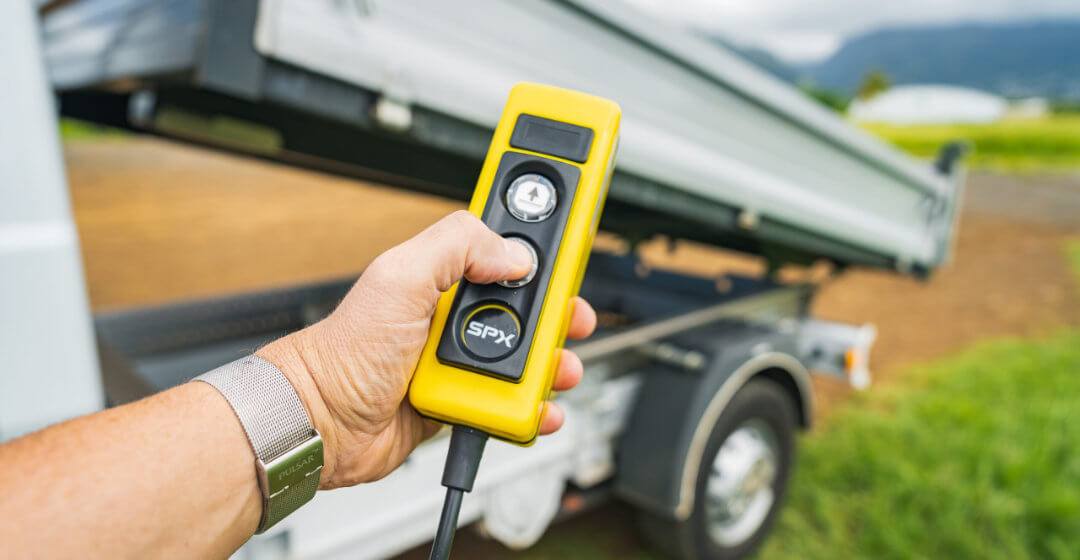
[{"x": 695, "y": 387}]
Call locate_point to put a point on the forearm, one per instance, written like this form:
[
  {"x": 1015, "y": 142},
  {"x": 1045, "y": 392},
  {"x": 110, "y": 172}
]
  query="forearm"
[{"x": 171, "y": 475}]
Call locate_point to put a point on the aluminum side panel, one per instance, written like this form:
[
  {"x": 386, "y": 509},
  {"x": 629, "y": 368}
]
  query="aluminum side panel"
[{"x": 784, "y": 160}]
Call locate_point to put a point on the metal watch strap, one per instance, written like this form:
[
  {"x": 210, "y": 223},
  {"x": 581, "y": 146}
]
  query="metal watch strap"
[{"x": 288, "y": 449}]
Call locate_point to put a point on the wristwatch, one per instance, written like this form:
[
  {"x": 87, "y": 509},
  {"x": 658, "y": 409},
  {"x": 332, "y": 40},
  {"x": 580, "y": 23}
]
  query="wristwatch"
[{"x": 288, "y": 449}]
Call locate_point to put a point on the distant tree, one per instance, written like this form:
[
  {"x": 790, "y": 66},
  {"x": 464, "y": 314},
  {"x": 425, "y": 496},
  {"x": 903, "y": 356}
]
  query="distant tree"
[
  {"x": 832, "y": 99},
  {"x": 1065, "y": 107},
  {"x": 873, "y": 83}
]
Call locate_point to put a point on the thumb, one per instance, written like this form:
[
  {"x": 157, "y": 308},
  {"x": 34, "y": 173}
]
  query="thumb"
[{"x": 457, "y": 246}]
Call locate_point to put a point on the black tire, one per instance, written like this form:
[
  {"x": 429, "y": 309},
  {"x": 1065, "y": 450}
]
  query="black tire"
[{"x": 689, "y": 539}]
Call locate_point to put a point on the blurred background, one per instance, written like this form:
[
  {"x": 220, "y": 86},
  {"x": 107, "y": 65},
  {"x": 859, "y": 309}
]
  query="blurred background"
[{"x": 966, "y": 447}]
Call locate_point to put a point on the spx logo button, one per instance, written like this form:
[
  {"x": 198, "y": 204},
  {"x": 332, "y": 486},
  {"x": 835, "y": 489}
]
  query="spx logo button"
[
  {"x": 476, "y": 328},
  {"x": 490, "y": 331}
]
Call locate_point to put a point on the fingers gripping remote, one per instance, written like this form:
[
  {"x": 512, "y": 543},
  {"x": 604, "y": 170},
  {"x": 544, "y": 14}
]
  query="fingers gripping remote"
[{"x": 493, "y": 349}]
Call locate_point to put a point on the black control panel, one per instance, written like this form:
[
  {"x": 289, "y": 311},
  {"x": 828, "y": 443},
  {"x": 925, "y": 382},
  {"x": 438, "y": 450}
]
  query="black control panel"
[{"x": 490, "y": 327}]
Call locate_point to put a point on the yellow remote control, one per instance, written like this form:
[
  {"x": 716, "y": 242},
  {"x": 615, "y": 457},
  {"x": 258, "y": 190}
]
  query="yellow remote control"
[{"x": 493, "y": 349}]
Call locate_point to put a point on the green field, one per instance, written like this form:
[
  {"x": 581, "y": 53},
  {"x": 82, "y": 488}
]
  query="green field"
[
  {"x": 971, "y": 457},
  {"x": 1048, "y": 144},
  {"x": 76, "y": 130},
  {"x": 1072, "y": 253},
  {"x": 975, "y": 457}
]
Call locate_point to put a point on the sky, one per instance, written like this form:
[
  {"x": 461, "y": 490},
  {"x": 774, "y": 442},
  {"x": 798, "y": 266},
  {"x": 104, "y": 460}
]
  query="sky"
[{"x": 801, "y": 31}]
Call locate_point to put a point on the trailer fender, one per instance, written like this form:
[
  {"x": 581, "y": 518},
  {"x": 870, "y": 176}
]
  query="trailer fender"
[{"x": 660, "y": 451}]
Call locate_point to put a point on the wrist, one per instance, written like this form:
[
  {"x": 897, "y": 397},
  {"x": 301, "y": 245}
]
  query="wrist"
[{"x": 290, "y": 355}]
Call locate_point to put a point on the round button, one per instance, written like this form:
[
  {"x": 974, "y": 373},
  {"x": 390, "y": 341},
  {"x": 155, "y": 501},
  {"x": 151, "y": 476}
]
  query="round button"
[
  {"x": 490, "y": 331},
  {"x": 532, "y": 271},
  {"x": 531, "y": 198}
]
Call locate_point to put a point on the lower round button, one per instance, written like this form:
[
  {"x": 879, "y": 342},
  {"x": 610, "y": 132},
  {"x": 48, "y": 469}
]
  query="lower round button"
[
  {"x": 532, "y": 271},
  {"x": 490, "y": 331}
]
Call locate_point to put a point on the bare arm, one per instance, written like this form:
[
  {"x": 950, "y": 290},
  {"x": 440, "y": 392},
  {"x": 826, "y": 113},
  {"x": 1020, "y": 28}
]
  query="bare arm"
[{"x": 173, "y": 475}]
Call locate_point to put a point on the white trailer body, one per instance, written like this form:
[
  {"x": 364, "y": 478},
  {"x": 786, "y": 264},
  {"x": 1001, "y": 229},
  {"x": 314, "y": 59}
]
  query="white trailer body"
[{"x": 712, "y": 149}]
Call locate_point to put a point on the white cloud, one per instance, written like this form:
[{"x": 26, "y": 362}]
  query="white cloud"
[
  {"x": 802, "y": 30},
  {"x": 793, "y": 46}
]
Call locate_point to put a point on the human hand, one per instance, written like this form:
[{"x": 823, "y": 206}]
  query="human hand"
[{"x": 352, "y": 369}]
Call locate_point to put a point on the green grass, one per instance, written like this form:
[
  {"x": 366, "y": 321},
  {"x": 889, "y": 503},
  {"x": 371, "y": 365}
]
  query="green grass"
[
  {"x": 1072, "y": 253},
  {"x": 76, "y": 130},
  {"x": 973, "y": 457},
  {"x": 1048, "y": 144}
]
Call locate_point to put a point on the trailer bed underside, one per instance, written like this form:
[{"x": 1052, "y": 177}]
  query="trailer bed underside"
[{"x": 150, "y": 349}]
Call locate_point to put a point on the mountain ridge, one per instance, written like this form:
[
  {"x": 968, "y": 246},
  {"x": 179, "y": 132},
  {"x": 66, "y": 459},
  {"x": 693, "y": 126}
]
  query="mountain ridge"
[{"x": 1020, "y": 59}]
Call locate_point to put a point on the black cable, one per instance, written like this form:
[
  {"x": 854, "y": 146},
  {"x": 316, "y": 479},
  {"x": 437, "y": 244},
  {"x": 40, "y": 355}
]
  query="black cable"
[
  {"x": 444, "y": 536},
  {"x": 462, "y": 462}
]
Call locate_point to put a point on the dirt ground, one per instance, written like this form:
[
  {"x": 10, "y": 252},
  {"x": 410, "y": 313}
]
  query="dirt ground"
[{"x": 161, "y": 222}]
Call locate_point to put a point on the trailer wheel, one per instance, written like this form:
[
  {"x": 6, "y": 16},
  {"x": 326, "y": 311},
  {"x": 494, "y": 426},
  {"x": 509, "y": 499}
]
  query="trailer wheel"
[{"x": 741, "y": 480}]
